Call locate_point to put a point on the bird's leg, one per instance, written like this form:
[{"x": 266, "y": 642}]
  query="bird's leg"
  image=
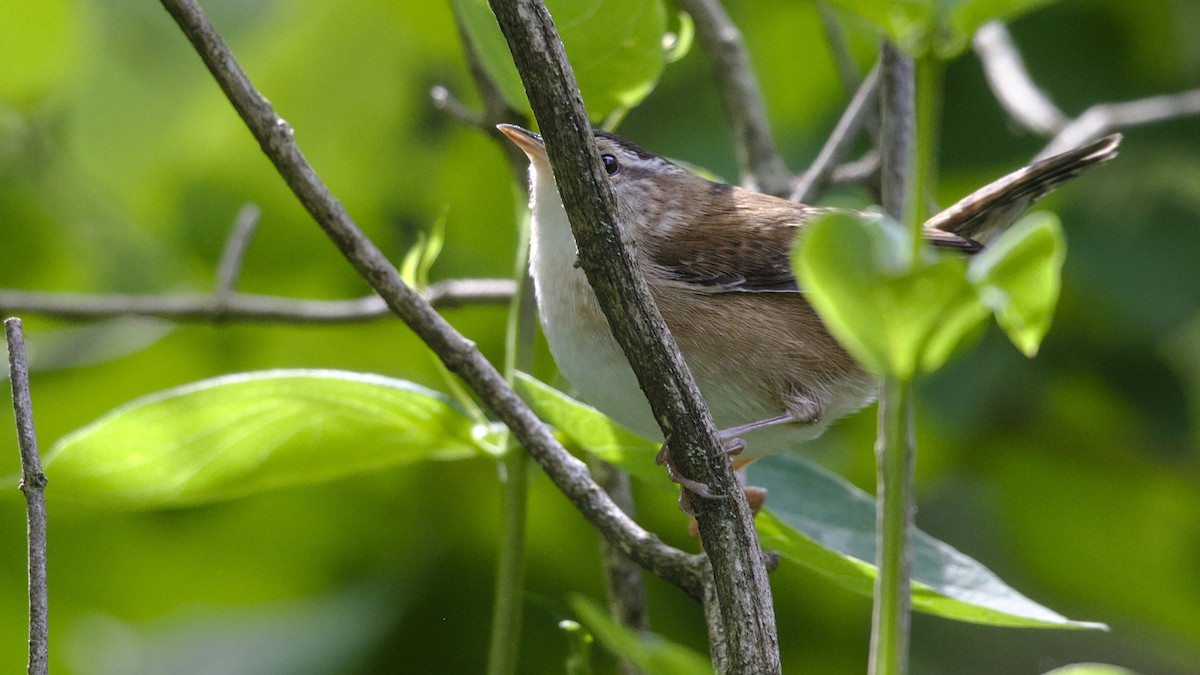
[
  {"x": 663, "y": 458},
  {"x": 800, "y": 408}
]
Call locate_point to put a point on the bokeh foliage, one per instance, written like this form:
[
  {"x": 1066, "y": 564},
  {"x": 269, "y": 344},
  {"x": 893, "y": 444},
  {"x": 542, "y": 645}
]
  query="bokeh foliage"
[{"x": 1074, "y": 475}]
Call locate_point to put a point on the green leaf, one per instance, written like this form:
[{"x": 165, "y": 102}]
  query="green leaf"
[
  {"x": 962, "y": 18},
  {"x": 907, "y": 23},
  {"x": 241, "y": 434},
  {"x": 615, "y": 48},
  {"x": 1091, "y": 669},
  {"x": 1019, "y": 276},
  {"x": 893, "y": 312},
  {"x": 649, "y": 652},
  {"x": 417, "y": 263},
  {"x": 589, "y": 430},
  {"x": 944, "y": 27},
  {"x": 819, "y": 520}
]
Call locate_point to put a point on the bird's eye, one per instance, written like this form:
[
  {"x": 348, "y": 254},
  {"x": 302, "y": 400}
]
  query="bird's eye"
[{"x": 610, "y": 164}]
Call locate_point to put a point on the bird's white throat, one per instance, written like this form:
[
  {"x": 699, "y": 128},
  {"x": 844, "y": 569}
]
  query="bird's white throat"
[{"x": 576, "y": 330}]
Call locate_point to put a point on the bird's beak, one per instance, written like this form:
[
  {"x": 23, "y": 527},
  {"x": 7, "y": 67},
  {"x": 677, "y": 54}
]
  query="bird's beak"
[{"x": 529, "y": 143}]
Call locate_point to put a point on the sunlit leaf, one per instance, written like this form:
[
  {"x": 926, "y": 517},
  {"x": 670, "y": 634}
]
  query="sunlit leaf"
[
  {"x": 589, "y": 430},
  {"x": 1091, "y": 669},
  {"x": 893, "y": 312},
  {"x": 649, "y": 652},
  {"x": 819, "y": 520},
  {"x": 241, "y": 434},
  {"x": 1019, "y": 275},
  {"x": 615, "y": 48}
]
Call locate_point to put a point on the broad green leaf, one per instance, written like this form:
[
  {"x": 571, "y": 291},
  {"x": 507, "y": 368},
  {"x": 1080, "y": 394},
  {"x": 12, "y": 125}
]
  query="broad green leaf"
[
  {"x": 649, "y": 652},
  {"x": 819, "y": 520},
  {"x": 893, "y": 312},
  {"x": 615, "y": 48},
  {"x": 1019, "y": 276},
  {"x": 589, "y": 430},
  {"x": 1091, "y": 669},
  {"x": 240, "y": 434}
]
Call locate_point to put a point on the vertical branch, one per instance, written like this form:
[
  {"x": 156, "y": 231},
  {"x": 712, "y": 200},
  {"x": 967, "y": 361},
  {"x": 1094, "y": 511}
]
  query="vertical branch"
[
  {"x": 726, "y": 525},
  {"x": 508, "y": 603},
  {"x": 894, "y": 448},
  {"x": 33, "y": 484},
  {"x": 626, "y": 593}
]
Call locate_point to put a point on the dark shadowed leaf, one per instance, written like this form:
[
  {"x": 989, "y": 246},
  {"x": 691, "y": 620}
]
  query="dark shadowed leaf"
[{"x": 819, "y": 520}]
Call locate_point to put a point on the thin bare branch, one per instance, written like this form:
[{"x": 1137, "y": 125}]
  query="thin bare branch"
[
  {"x": 862, "y": 169},
  {"x": 1031, "y": 108},
  {"x": 33, "y": 484},
  {"x": 495, "y": 107},
  {"x": 623, "y": 578},
  {"x": 230, "y": 266},
  {"x": 443, "y": 100},
  {"x": 1028, "y": 105},
  {"x": 839, "y": 143},
  {"x": 246, "y": 307},
  {"x": 1105, "y": 118},
  {"x": 459, "y": 354},
  {"x": 761, "y": 166}
]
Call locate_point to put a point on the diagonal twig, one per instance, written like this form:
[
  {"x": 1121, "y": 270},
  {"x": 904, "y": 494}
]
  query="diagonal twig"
[
  {"x": 838, "y": 145},
  {"x": 1104, "y": 118},
  {"x": 1030, "y": 107},
  {"x": 1009, "y": 79},
  {"x": 33, "y": 484},
  {"x": 230, "y": 266}
]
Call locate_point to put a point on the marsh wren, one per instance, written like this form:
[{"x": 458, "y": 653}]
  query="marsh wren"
[{"x": 715, "y": 257}]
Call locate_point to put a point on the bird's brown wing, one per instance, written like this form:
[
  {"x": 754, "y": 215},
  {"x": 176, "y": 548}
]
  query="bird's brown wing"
[{"x": 743, "y": 243}]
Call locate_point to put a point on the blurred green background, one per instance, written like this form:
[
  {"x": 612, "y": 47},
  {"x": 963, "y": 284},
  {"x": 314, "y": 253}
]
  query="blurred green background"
[{"x": 1075, "y": 476}]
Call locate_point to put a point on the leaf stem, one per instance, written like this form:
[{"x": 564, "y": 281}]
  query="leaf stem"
[
  {"x": 895, "y": 451},
  {"x": 894, "y": 447},
  {"x": 504, "y": 645},
  {"x": 505, "y": 641},
  {"x": 928, "y": 90}
]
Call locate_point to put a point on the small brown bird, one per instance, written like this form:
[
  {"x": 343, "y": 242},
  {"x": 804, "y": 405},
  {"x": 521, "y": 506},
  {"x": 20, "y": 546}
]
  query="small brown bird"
[{"x": 715, "y": 258}]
